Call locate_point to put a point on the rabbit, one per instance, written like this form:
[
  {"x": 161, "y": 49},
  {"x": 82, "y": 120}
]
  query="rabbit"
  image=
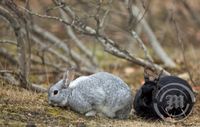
[{"x": 100, "y": 93}]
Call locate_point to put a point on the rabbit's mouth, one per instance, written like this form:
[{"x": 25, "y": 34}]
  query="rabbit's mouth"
[{"x": 52, "y": 104}]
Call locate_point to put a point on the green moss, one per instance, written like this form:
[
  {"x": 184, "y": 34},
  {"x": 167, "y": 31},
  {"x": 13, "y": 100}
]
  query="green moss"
[{"x": 54, "y": 111}]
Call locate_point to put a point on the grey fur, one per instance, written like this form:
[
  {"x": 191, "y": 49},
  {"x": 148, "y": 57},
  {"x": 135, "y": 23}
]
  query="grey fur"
[{"x": 98, "y": 93}]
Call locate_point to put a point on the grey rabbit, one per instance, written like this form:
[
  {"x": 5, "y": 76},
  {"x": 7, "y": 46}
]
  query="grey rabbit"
[{"x": 101, "y": 93}]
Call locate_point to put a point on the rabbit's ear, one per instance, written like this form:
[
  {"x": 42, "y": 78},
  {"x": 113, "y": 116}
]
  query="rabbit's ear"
[{"x": 68, "y": 76}]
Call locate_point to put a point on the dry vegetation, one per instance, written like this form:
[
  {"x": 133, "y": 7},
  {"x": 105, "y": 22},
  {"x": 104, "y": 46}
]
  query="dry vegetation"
[{"x": 21, "y": 107}]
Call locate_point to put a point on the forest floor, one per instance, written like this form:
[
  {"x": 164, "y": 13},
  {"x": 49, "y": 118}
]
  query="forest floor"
[{"x": 20, "y": 107}]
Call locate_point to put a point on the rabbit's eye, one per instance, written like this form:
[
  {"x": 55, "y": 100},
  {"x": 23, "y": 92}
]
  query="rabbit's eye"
[{"x": 55, "y": 92}]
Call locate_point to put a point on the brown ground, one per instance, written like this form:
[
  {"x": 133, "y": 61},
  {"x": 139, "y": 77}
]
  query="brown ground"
[{"x": 20, "y": 107}]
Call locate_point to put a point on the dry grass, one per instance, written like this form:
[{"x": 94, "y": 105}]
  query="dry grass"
[{"x": 20, "y": 107}]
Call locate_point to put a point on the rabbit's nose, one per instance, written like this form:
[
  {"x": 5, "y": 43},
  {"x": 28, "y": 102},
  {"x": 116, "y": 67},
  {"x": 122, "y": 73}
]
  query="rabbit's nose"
[
  {"x": 52, "y": 104},
  {"x": 49, "y": 102}
]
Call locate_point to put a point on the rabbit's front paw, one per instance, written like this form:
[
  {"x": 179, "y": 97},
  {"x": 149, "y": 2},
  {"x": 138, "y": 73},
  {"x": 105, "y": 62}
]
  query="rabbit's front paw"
[{"x": 90, "y": 113}]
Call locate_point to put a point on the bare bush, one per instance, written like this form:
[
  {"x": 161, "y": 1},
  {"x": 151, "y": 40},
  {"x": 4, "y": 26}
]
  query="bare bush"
[{"x": 33, "y": 40}]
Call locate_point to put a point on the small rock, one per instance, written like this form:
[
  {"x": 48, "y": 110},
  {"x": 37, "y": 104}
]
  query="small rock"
[{"x": 29, "y": 114}]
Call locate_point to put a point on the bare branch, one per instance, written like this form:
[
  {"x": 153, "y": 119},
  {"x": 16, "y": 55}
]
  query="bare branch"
[
  {"x": 38, "y": 88},
  {"x": 153, "y": 40},
  {"x": 46, "y": 16},
  {"x": 56, "y": 53},
  {"x": 110, "y": 46},
  {"x": 56, "y": 67},
  {"x": 104, "y": 18},
  {"x": 7, "y": 71},
  {"x": 193, "y": 14},
  {"x": 142, "y": 45},
  {"x": 9, "y": 42},
  {"x": 8, "y": 77},
  {"x": 59, "y": 55},
  {"x": 20, "y": 46},
  {"x": 8, "y": 56},
  {"x": 55, "y": 40},
  {"x": 77, "y": 41},
  {"x": 180, "y": 41}
]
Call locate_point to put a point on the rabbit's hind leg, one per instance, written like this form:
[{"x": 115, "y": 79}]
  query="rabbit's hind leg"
[
  {"x": 124, "y": 112},
  {"x": 110, "y": 114},
  {"x": 107, "y": 111},
  {"x": 90, "y": 113}
]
